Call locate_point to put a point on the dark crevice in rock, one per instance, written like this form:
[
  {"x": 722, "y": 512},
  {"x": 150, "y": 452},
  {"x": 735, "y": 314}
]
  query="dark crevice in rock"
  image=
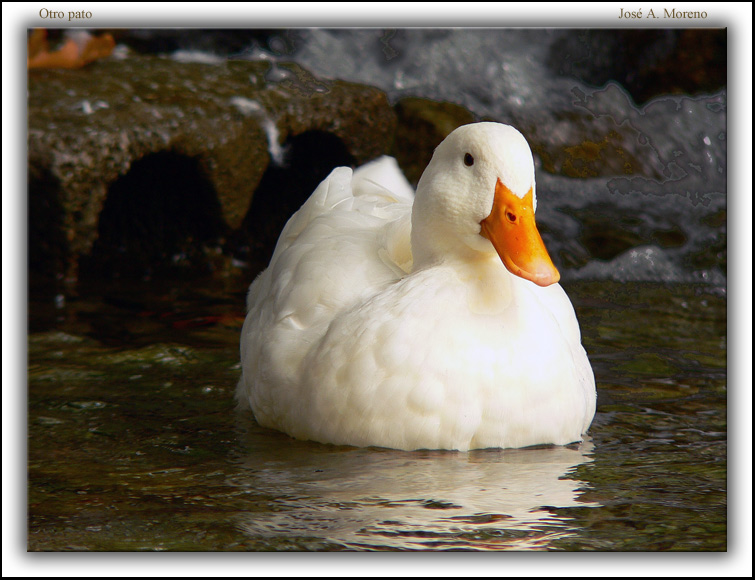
[
  {"x": 163, "y": 216},
  {"x": 309, "y": 158}
]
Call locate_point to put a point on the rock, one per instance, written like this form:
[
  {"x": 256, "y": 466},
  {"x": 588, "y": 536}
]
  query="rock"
[
  {"x": 647, "y": 63},
  {"x": 606, "y": 150},
  {"x": 137, "y": 162},
  {"x": 422, "y": 125}
]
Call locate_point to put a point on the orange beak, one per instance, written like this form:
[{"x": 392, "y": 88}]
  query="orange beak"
[{"x": 511, "y": 229}]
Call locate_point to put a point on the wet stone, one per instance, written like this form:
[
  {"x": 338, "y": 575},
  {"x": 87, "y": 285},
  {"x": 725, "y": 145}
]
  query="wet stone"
[{"x": 169, "y": 154}]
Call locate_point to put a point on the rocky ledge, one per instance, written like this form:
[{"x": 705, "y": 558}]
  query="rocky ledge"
[{"x": 141, "y": 163}]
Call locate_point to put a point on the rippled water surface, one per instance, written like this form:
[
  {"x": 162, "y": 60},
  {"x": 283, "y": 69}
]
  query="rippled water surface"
[{"x": 134, "y": 443}]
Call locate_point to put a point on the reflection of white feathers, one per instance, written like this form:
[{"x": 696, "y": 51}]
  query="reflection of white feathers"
[
  {"x": 481, "y": 500},
  {"x": 387, "y": 319}
]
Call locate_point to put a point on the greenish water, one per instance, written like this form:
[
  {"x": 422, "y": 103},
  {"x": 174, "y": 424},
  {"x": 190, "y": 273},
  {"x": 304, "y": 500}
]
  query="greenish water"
[{"x": 134, "y": 442}]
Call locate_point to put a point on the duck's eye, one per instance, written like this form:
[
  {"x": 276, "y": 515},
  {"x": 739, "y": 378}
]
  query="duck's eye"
[{"x": 468, "y": 160}]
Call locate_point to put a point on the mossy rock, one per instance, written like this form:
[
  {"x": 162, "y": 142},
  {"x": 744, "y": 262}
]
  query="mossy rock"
[{"x": 204, "y": 133}]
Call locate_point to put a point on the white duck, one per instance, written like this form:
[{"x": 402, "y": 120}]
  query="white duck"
[{"x": 390, "y": 320}]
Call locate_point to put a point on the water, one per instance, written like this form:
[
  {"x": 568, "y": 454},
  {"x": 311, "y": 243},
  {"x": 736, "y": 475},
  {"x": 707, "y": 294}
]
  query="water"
[{"x": 135, "y": 444}]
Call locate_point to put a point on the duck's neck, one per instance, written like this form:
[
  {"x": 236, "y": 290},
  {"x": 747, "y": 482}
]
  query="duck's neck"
[
  {"x": 435, "y": 240},
  {"x": 430, "y": 248},
  {"x": 438, "y": 241},
  {"x": 486, "y": 284}
]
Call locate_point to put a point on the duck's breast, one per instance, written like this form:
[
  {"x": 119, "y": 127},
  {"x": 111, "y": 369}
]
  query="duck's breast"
[{"x": 414, "y": 367}]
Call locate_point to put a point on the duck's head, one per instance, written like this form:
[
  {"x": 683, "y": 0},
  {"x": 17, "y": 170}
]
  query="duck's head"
[{"x": 477, "y": 197}]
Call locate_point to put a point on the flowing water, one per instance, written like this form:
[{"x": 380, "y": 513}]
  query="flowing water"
[{"x": 134, "y": 442}]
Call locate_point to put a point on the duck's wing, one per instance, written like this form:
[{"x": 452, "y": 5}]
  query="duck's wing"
[
  {"x": 382, "y": 177},
  {"x": 351, "y": 236},
  {"x": 334, "y": 189},
  {"x": 381, "y": 181}
]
